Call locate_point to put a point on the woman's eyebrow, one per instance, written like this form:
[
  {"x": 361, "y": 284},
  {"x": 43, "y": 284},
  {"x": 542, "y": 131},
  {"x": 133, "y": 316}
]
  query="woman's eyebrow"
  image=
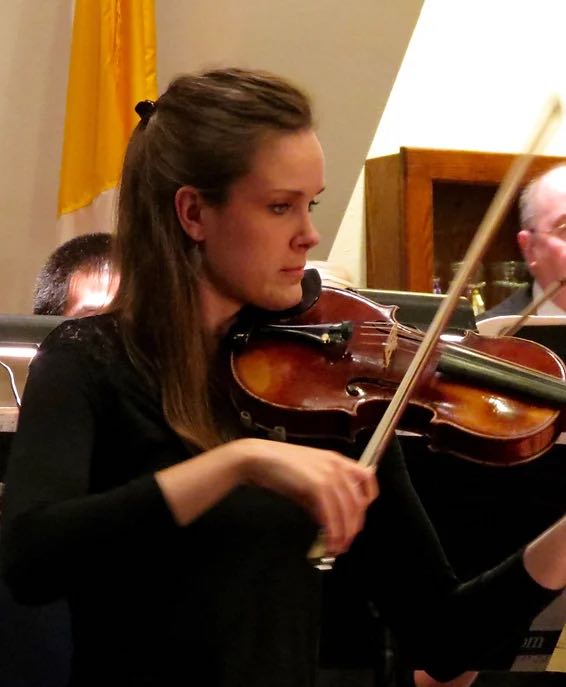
[{"x": 294, "y": 191}]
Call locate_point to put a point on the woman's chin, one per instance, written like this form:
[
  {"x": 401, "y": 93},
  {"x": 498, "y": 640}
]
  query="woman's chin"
[{"x": 283, "y": 300}]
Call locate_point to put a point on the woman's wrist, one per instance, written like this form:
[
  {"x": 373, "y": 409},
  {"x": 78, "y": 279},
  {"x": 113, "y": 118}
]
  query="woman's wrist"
[
  {"x": 246, "y": 459},
  {"x": 198, "y": 483},
  {"x": 545, "y": 557}
]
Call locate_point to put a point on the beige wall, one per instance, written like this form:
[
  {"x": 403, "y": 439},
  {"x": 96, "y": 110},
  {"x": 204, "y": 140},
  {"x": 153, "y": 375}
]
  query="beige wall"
[
  {"x": 34, "y": 54},
  {"x": 345, "y": 54},
  {"x": 476, "y": 76}
]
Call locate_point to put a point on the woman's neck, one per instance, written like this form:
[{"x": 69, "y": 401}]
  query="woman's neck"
[{"x": 218, "y": 311}]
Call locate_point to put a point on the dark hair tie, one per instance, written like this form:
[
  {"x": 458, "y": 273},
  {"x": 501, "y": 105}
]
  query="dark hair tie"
[{"x": 145, "y": 108}]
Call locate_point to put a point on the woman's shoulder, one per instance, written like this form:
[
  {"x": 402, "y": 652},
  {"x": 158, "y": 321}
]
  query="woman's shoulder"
[
  {"x": 96, "y": 337},
  {"x": 90, "y": 351}
]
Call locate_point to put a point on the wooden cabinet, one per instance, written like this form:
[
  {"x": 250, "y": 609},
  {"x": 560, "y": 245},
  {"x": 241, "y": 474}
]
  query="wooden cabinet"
[{"x": 422, "y": 209}]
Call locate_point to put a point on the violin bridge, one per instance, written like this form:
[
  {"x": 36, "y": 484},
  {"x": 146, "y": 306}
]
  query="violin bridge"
[{"x": 390, "y": 345}]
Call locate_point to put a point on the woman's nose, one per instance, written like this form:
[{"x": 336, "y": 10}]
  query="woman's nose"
[{"x": 309, "y": 235}]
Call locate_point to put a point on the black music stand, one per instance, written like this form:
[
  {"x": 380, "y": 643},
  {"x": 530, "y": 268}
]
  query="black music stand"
[
  {"x": 21, "y": 330},
  {"x": 418, "y": 309}
]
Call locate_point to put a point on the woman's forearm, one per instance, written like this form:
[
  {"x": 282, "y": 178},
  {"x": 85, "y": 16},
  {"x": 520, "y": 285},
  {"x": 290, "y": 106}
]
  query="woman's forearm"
[
  {"x": 334, "y": 490},
  {"x": 192, "y": 487},
  {"x": 423, "y": 679}
]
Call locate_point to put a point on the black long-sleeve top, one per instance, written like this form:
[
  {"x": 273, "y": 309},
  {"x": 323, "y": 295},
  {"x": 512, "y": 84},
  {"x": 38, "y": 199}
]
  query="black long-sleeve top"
[{"x": 230, "y": 599}]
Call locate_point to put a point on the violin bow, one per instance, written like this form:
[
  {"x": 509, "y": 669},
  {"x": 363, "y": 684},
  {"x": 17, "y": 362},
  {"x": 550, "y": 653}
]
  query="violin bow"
[
  {"x": 485, "y": 233},
  {"x": 505, "y": 194}
]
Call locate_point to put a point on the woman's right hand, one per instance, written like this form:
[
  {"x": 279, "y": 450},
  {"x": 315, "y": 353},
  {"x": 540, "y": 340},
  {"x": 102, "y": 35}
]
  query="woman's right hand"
[{"x": 333, "y": 489}]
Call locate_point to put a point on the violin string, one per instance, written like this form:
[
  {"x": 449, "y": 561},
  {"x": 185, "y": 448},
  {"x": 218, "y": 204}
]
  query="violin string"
[
  {"x": 459, "y": 350},
  {"x": 385, "y": 327},
  {"x": 413, "y": 335}
]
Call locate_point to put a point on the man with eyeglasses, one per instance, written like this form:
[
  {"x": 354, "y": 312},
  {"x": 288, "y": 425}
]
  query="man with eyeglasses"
[
  {"x": 542, "y": 239},
  {"x": 501, "y": 510}
]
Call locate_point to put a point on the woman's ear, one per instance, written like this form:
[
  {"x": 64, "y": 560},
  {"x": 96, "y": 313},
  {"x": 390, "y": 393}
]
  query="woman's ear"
[{"x": 189, "y": 206}]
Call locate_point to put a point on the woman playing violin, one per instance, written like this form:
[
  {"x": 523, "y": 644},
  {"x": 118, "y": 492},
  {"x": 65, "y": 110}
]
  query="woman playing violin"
[{"x": 180, "y": 543}]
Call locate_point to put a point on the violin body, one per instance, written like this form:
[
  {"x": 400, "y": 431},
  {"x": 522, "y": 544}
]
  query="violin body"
[{"x": 302, "y": 390}]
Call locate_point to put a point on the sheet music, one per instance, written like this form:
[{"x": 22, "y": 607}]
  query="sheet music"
[{"x": 493, "y": 325}]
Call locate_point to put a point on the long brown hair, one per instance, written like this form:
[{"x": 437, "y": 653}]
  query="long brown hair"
[{"x": 203, "y": 132}]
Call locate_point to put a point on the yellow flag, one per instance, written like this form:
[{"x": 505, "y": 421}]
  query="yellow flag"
[{"x": 112, "y": 67}]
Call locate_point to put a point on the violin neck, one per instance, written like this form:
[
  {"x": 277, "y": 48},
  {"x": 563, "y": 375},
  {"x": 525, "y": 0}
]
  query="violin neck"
[{"x": 466, "y": 363}]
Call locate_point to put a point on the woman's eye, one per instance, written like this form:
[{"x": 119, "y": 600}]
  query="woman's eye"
[
  {"x": 313, "y": 204},
  {"x": 279, "y": 208}
]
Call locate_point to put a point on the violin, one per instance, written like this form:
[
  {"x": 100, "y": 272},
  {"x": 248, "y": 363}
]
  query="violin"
[{"x": 330, "y": 371}]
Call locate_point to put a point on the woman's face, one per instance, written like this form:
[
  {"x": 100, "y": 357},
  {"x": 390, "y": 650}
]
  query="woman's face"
[{"x": 255, "y": 245}]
